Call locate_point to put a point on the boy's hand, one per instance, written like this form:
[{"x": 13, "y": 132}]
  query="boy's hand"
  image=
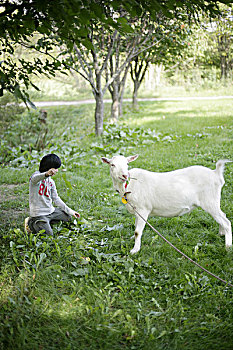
[{"x": 51, "y": 172}]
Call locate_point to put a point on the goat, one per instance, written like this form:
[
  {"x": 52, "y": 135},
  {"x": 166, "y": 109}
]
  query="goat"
[{"x": 169, "y": 194}]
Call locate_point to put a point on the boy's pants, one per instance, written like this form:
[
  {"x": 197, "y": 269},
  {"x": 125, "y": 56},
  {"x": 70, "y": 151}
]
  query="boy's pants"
[{"x": 44, "y": 222}]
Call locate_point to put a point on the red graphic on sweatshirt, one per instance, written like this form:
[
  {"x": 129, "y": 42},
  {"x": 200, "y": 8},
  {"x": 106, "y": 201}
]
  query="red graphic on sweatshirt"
[{"x": 43, "y": 190}]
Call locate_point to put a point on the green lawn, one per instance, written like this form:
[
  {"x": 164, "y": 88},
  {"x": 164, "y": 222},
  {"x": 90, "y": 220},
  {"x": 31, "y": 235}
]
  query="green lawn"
[{"x": 82, "y": 289}]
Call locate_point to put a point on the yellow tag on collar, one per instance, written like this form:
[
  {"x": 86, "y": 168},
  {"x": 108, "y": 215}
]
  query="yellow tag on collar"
[{"x": 124, "y": 200}]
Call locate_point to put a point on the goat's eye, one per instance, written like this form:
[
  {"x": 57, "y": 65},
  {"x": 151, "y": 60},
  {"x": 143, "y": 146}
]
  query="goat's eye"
[{"x": 112, "y": 165}]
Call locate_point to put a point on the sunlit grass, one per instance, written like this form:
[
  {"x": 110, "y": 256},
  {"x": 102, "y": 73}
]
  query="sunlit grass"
[{"x": 53, "y": 298}]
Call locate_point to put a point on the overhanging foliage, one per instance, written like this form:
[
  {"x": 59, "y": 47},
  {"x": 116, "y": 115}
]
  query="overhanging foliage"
[{"x": 68, "y": 20}]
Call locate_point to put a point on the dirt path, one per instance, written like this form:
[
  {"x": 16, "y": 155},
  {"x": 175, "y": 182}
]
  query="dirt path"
[{"x": 91, "y": 101}]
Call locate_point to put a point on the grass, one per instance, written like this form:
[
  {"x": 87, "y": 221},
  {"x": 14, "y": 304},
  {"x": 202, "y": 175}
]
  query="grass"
[{"x": 82, "y": 289}]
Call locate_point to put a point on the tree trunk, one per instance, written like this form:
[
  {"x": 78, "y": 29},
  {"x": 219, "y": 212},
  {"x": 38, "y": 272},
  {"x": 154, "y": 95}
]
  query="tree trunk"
[
  {"x": 224, "y": 70},
  {"x": 120, "y": 112},
  {"x": 115, "y": 109},
  {"x": 135, "y": 95},
  {"x": 138, "y": 71},
  {"x": 99, "y": 114},
  {"x": 115, "y": 101},
  {"x": 122, "y": 89},
  {"x": 223, "y": 48}
]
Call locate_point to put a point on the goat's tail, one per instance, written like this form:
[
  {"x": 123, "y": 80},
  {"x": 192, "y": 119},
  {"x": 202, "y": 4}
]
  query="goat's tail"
[{"x": 220, "y": 165}]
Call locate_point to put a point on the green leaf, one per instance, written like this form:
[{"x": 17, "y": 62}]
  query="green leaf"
[
  {"x": 162, "y": 334},
  {"x": 80, "y": 272},
  {"x": 87, "y": 44}
]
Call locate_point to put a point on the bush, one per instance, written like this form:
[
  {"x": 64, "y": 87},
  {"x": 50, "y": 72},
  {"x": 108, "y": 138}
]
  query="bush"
[
  {"x": 24, "y": 133},
  {"x": 9, "y": 108}
]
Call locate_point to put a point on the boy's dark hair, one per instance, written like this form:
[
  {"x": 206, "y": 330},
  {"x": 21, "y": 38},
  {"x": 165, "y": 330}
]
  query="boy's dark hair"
[{"x": 49, "y": 161}]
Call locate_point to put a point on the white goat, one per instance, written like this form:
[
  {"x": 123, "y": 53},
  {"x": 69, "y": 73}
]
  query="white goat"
[{"x": 169, "y": 194}]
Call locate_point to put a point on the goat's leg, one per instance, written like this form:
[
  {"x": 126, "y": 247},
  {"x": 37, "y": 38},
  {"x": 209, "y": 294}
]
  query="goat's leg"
[
  {"x": 224, "y": 223},
  {"x": 139, "y": 227},
  {"x": 221, "y": 229},
  {"x": 224, "y": 228}
]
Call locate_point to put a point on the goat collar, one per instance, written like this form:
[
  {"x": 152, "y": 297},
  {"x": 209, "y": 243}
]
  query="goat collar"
[
  {"x": 126, "y": 183},
  {"x": 124, "y": 198}
]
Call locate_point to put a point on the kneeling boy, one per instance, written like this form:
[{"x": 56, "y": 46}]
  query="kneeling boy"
[{"x": 42, "y": 193}]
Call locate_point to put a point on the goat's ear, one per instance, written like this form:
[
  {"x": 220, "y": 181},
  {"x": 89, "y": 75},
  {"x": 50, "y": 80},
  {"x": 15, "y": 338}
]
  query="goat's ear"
[
  {"x": 105, "y": 160},
  {"x": 132, "y": 158}
]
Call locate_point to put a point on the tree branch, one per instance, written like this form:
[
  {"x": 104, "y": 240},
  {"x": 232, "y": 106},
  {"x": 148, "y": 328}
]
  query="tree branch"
[
  {"x": 113, "y": 39},
  {"x": 84, "y": 63}
]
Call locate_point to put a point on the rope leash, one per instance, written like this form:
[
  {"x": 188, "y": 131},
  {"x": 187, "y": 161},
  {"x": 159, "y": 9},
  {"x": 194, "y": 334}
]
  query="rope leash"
[{"x": 178, "y": 250}]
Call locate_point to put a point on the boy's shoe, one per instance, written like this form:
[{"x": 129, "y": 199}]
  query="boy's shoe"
[{"x": 26, "y": 227}]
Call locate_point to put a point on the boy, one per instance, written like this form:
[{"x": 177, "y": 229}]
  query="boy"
[{"x": 42, "y": 192}]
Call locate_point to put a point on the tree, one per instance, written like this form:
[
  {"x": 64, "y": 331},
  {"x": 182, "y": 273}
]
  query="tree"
[
  {"x": 94, "y": 63},
  {"x": 68, "y": 21},
  {"x": 116, "y": 88},
  {"x": 144, "y": 33},
  {"x": 171, "y": 40},
  {"x": 222, "y": 32},
  {"x": 210, "y": 47},
  {"x": 56, "y": 22}
]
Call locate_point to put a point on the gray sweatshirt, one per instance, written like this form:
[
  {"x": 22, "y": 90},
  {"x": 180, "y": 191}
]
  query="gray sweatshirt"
[{"x": 42, "y": 192}]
